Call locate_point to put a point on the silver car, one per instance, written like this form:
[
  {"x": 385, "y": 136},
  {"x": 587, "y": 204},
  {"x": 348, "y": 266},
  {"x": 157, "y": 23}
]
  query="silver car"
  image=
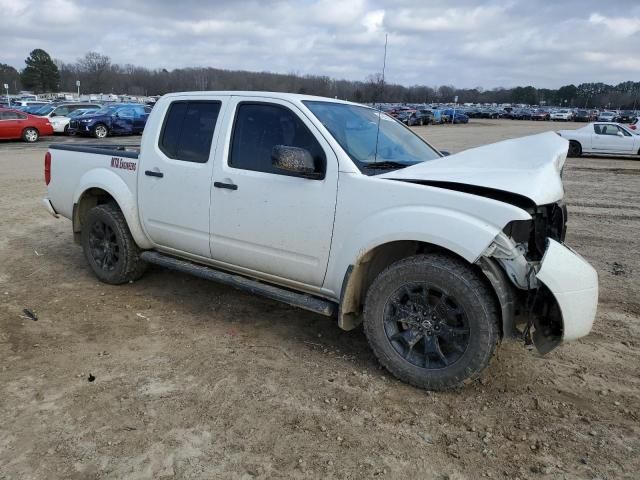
[{"x": 607, "y": 116}]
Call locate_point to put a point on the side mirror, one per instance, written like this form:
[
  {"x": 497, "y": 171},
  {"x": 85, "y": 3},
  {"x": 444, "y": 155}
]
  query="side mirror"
[
  {"x": 53, "y": 115},
  {"x": 620, "y": 134},
  {"x": 294, "y": 160},
  {"x": 445, "y": 153}
]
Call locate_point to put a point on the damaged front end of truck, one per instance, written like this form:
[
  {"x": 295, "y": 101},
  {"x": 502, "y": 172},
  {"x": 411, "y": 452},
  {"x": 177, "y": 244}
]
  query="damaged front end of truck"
[
  {"x": 547, "y": 292},
  {"x": 516, "y": 263}
]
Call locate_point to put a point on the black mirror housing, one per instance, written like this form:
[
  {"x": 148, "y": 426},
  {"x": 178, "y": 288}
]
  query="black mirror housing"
[{"x": 294, "y": 160}]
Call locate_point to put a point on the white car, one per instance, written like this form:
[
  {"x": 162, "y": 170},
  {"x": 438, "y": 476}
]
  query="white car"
[
  {"x": 340, "y": 209},
  {"x": 602, "y": 138},
  {"x": 61, "y": 123},
  {"x": 564, "y": 115},
  {"x": 63, "y": 109},
  {"x": 607, "y": 116}
]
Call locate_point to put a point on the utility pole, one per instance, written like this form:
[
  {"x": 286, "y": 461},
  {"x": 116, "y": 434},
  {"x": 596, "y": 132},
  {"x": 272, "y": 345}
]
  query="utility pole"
[
  {"x": 78, "y": 85},
  {"x": 6, "y": 87},
  {"x": 455, "y": 103}
]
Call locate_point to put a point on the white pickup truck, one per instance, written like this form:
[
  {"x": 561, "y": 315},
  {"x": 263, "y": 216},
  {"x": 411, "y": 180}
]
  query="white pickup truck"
[{"x": 342, "y": 210}]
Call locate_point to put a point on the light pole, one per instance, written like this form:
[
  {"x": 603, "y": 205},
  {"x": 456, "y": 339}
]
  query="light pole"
[
  {"x": 78, "y": 85},
  {"x": 455, "y": 103},
  {"x": 6, "y": 87}
]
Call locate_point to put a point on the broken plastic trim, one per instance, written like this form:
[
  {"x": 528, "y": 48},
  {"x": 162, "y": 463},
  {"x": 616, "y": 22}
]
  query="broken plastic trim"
[{"x": 513, "y": 261}]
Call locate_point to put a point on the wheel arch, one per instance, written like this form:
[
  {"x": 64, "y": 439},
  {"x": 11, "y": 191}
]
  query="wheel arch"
[
  {"x": 575, "y": 142},
  {"x": 103, "y": 186},
  {"x": 362, "y": 273}
]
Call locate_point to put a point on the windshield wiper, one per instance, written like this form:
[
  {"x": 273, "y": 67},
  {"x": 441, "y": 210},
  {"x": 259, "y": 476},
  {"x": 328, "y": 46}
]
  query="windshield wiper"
[{"x": 385, "y": 165}]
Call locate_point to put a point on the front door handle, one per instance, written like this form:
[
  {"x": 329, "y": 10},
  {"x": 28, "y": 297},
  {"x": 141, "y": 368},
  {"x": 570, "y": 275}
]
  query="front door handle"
[
  {"x": 151, "y": 173},
  {"x": 230, "y": 186}
]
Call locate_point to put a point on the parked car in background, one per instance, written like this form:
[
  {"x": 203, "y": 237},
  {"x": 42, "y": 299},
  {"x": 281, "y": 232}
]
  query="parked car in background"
[
  {"x": 30, "y": 109},
  {"x": 602, "y": 138},
  {"x": 116, "y": 119},
  {"x": 635, "y": 126},
  {"x": 15, "y": 124},
  {"x": 458, "y": 118},
  {"x": 562, "y": 115},
  {"x": 436, "y": 116},
  {"x": 583, "y": 116},
  {"x": 412, "y": 117},
  {"x": 64, "y": 109},
  {"x": 521, "y": 114},
  {"x": 607, "y": 116},
  {"x": 488, "y": 113},
  {"x": 626, "y": 116},
  {"x": 428, "y": 116},
  {"x": 540, "y": 114},
  {"x": 61, "y": 123},
  {"x": 20, "y": 104}
]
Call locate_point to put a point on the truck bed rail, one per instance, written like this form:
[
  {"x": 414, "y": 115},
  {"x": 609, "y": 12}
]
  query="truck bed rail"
[{"x": 127, "y": 151}]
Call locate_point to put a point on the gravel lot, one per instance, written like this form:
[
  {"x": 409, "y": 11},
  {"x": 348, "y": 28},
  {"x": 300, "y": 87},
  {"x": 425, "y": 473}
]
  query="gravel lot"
[{"x": 197, "y": 380}]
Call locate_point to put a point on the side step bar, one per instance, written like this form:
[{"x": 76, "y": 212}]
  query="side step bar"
[{"x": 301, "y": 300}]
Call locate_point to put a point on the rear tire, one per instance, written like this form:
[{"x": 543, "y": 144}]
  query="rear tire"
[
  {"x": 109, "y": 247},
  {"x": 432, "y": 321},
  {"x": 30, "y": 135},
  {"x": 575, "y": 149}
]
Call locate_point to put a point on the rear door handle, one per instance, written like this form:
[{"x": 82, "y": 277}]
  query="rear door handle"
[
  {"x": 151, "y": 173},
  {"x": 230, "y": 186}
]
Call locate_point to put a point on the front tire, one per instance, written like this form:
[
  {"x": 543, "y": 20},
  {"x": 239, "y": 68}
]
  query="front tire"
[
  {"x": 100, "y": 131},
  {"x": 30, "y": 135},
  {"x": 432, "y": 321},
  {"x": 109, "y": 247},
  {"x": 575, "y": 149}
]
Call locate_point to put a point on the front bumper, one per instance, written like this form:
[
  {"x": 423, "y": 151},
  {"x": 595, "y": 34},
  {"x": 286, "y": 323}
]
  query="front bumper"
[
  {"x": 59, "y": 127},
  {"x": 574, "y": 285},
  {"x": 79, "y": 128}
]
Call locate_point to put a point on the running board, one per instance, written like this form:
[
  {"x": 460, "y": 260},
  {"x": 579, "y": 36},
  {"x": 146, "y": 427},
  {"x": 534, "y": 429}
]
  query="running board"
[{"x": 301, "y": 300}]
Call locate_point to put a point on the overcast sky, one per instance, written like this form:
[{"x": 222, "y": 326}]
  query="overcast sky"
[{"x": 545, "y": 43}]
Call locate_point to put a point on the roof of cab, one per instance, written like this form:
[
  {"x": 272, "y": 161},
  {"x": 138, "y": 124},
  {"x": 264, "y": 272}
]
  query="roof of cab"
[{"x": 277, "y": 95}]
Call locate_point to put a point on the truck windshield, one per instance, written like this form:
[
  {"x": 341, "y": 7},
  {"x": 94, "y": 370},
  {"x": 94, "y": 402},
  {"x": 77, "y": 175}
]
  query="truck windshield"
[{"x": 355, "y": 128}]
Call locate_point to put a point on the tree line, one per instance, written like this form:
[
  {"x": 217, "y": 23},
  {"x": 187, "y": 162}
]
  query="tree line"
[{"x": 98, "y": 74}]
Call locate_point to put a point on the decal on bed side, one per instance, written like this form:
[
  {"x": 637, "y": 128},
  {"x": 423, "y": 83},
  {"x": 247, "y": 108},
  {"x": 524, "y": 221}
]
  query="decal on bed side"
[{"x": 117, "y": 162}]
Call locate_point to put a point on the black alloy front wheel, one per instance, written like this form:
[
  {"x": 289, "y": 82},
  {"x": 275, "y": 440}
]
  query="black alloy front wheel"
[{"x": 432, "y": 321}]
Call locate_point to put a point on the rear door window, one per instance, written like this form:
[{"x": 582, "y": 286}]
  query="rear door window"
[{"x": 188, "y": 130}]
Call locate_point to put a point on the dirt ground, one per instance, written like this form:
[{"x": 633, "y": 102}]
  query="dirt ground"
[{"x": 197, "y": 380}]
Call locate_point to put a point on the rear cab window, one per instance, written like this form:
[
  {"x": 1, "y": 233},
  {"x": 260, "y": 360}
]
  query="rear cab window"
[{"x": 188, "y": 129}]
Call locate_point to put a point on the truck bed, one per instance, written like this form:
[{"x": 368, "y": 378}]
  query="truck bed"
[{"x": 106, "y": 167}]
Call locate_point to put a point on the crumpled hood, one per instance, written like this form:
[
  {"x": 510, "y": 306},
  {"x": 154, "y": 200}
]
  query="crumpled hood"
[{"x": 528, "y": 166}]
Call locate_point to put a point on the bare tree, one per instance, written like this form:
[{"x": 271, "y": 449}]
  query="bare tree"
[{"x": 96, "y": 68}]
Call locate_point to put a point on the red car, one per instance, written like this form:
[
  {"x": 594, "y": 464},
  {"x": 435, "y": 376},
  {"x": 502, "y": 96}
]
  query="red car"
[{"x": 16, "y": 124}]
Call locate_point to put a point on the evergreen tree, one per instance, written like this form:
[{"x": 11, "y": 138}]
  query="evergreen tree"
[
  {"x": 10, "y": 76},
  {"x": 40, "y": 74}
]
